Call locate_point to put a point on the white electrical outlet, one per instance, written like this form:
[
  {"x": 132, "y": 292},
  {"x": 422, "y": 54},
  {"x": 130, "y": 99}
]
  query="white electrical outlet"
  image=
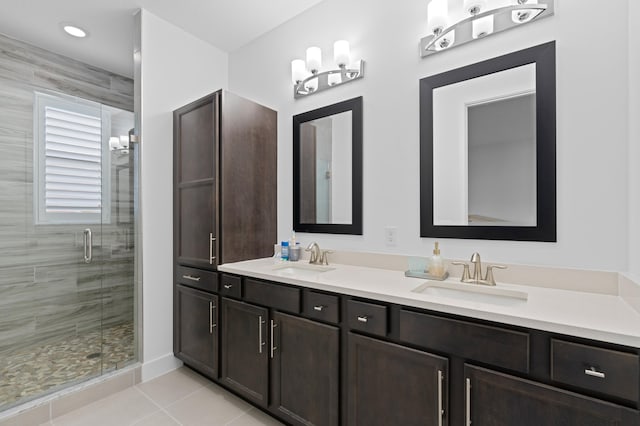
[{"x": 390, "y": 235}]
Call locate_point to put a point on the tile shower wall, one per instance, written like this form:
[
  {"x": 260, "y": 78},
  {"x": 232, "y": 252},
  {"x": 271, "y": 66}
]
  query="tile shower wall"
[{"x": 45, "y": 292}]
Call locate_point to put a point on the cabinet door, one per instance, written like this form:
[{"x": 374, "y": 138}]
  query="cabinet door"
[
  {"x": 496, "y": 399},
  {"x": 244, "y": 351},
  {"x": 195, "y": 328},
  {"x": 305, "y": 371},
  {"x": 394, "y": 385},
  {"x": 195, "y": 183}
]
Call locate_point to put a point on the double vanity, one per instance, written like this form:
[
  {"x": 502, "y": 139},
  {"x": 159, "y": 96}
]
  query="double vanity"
[{"x": 354, "y": 345}]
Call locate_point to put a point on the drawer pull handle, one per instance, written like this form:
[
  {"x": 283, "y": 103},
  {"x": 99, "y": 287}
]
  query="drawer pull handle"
[
  {"x": 212, "y": 325},
  {"x": 191, "y": 277},
  {"x": 228, "y": 286},
  {"x": 273, "y": 346},
  {"x": 594, "y": 373},
  {"x": 211, "y": 256},
  {"x": 363, "y": 318},
  {"x": 318, "y": 308}
]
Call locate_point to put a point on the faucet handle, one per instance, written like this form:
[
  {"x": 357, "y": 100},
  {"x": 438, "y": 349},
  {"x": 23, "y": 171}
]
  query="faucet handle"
[
  {"x": 466, "y": 276},
  {"x": 324, "y": 257},
  {"x": 489, "y": 278}
]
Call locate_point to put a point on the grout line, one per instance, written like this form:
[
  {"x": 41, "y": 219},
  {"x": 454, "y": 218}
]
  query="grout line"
[
  {"x": 161, "y": 409},
  {"x": 239, "y": 416}
]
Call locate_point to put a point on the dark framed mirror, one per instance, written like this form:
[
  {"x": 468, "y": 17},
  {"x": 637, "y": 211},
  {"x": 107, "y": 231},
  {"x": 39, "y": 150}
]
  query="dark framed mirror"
[
  {"x": 488, "y": 149},
  {"x": 327, "y": 169}
]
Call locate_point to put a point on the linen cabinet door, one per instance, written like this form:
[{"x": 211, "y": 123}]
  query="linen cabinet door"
[
  {"x": 244, "y": 351},
  {"x": 391, "y": 384},
  {"x": 305, "y": 370},
  {"x": 195, "y": 183},
  {"x": 497, "y": 399}
]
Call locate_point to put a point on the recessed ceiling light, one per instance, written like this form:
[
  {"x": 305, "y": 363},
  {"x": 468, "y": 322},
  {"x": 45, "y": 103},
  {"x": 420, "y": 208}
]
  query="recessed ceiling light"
[{"x": 74, "y": 31}]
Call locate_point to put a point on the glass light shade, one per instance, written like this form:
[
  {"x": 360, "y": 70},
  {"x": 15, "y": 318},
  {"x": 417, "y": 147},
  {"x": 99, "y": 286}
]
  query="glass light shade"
[
  {"x": 124, "y": 141},
  {"x": 314, "y": 59},
  {"x": 298, "y": 70},
  {"x": 341, "y": 54},
  {"x": 477, "y": 5},
  {"x": 482, "y": 27},
  {"x": 114, "y": 143},
  {"x": 437, "y": 15},
  {"x": 446, "y": 40},
  {"x": 334, "y": 79},
  {"x": 524, "y": 15}
]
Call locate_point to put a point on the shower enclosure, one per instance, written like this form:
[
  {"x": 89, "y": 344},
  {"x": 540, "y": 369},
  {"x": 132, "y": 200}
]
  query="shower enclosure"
[{"x": 68, "y": 217}]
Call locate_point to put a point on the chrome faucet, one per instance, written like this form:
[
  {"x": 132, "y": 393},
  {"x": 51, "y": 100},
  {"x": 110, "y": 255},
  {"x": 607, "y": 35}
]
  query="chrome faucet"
[
  {"x": 314, "y": 258},
  {"x": 476, "y": 278}
]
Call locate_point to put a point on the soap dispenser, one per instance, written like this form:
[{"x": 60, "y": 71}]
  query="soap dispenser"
[{"x": 436, "y": 265}]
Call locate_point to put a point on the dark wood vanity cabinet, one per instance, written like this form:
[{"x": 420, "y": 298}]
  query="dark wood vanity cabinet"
[
  {"x": 389, "y": 384},
  {"x": 310, "y": 357},
  {"x": 197, "y": 331}
]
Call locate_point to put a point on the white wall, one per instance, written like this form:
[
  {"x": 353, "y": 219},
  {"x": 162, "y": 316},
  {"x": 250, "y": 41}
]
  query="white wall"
[
  {"x": 634, "y": 139},
  {"x": 592, "y": 133},
  {"x": 176, "y": 68}
]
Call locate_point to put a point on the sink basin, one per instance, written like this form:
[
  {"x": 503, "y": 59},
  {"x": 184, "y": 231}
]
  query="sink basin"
[
  {"x": 301, "y": 269},
  {"x": 472, "y": 292}
]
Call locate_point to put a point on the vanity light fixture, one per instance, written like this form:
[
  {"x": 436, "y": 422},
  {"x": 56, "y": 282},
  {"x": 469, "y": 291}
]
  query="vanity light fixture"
[
  {"x": 449, "y": 27},
  {"x": 307, "y": 78}
]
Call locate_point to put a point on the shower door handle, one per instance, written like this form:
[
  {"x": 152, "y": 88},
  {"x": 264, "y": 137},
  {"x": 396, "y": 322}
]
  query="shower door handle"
[{"x": 88, "y": 246}]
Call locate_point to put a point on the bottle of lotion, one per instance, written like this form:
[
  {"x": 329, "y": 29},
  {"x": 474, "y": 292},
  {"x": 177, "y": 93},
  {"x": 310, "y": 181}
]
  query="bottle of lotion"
[{"x": 436, "y": 265}]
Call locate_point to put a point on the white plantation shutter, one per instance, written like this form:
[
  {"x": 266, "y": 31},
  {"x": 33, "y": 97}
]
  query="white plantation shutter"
[{"x": 70, "y": 167}]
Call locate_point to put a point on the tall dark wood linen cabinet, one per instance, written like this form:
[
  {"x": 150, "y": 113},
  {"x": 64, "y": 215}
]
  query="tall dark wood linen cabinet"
[{"x": 224, "y": 197}]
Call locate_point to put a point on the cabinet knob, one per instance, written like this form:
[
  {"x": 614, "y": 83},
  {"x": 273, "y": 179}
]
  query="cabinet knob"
[
  {"x": 363, "y": 318},
  {"x": 318, "y": 308},
  {"x": 228, "y": 286}
]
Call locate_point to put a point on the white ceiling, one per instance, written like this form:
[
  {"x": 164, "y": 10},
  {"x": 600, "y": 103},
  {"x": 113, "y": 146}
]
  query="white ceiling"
[{"x": 226, "y": 24}]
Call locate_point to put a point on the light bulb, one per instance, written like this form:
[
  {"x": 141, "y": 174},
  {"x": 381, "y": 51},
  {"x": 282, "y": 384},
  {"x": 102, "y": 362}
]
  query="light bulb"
[
  {"x": 114, "y": 143},
  {"x": 124, "y": 141},
  {"x": 298, "y": 71},
  {"x": 524, "y": 15},
  {"x": 437, "y": 16},
  {"x": 474, "y": 7},
  {"x": 341, "y": 53},
  {"x": 482, "y": 27},
  {"x": 446, "y": 40},
  {"x": 314, "y": 59}
]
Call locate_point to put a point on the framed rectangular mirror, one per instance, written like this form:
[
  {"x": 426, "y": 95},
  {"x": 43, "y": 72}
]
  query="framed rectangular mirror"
[
  {"x": 488, "y": 149},
  {"x": 327, "y": 169}
]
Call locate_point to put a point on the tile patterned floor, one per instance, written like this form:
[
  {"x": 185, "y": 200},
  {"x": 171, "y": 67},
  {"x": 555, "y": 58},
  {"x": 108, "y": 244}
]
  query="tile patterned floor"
[
  {"x": 180, "y": 397},
  {"x": 32, "y": 372}
]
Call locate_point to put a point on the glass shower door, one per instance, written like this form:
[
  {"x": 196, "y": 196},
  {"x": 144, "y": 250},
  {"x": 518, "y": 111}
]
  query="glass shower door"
[{"x": 66, "y": 246}]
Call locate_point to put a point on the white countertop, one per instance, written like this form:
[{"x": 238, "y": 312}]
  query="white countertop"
[{"x": 600, "y": 317}]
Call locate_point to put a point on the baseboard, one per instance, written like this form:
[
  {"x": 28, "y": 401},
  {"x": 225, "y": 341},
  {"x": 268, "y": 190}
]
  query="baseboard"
[{"x": 159, "y": 366}]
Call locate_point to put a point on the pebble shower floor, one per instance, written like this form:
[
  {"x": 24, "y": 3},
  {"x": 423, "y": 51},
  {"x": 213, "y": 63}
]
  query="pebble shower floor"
[{"x": 35, "y": 371}]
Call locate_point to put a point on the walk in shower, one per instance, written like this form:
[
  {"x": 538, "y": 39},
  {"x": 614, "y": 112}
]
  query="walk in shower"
[{"x": 68, "y": 220}]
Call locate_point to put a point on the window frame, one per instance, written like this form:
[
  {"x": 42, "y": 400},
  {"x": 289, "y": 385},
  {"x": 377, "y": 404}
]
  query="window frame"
[{"x": 75, "y": 105}]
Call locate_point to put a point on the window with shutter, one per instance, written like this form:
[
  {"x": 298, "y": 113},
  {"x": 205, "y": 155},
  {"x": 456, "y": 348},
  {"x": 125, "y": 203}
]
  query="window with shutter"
[{"x": 70, "y": 170}]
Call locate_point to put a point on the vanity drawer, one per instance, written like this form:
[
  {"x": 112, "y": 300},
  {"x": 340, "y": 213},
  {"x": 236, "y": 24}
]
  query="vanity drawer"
[
  {"x": 275, "y": 296},
  {"x": 324, "y": 307},
  {"x": 230, "y": 286},
  {"x": 601, "y": 370},
  {"x": 492, "y": 345},
  {"x": 367, "y": 317},
  {"x": 197, "y": 278}
]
